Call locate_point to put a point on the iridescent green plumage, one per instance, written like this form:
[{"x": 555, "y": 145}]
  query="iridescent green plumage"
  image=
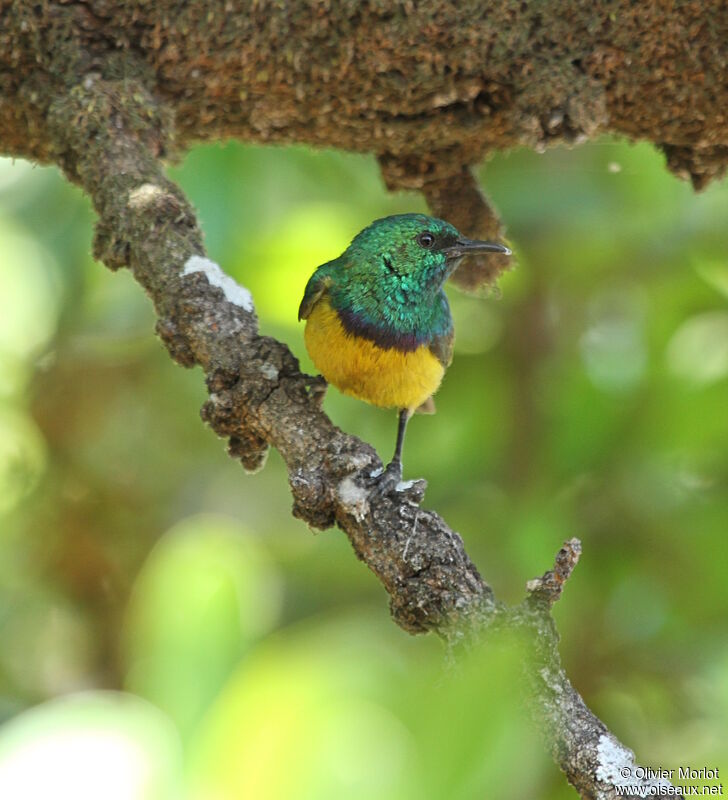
[{"x": 388, "y": 288}]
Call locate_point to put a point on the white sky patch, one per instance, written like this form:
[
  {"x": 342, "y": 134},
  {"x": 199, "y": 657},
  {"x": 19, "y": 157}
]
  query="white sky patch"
[{"x": 234, "y": 293}]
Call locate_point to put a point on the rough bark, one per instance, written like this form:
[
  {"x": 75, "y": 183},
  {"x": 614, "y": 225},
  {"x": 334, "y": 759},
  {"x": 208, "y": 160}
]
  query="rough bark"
[
  {"x": 106, "y": 89},
  {"x": 436, "y": 82}
]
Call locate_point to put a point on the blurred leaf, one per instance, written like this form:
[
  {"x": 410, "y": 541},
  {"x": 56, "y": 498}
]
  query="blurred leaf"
[
  {"x": 15, "y": 175},
  {"x": 472, "y": 733},
  {"x": 715, "y": 274},
  {"x": 29, "y": 293},
  {"x": 206, "y": 592},
  {"x": 698, "y": 352},
  {"x": 613, "y": 346},
  {"x": 298, "y": 720},
  {"x": 22, "y": 457},
  {"x": 323, "y": 713}
]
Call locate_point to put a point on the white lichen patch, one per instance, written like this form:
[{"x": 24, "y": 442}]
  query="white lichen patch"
[
  {"x": 269, "y": 370},
  {"x": 144, "y": 195},
  {"x": 353, "y": 498},
  {"x": 234, "y": 293},
  {"x": 359, "y": 461},
  {"x": 402, "y": 486},
  {"x": 615, "y": 762},
  {"x": 616, "y": 766}
]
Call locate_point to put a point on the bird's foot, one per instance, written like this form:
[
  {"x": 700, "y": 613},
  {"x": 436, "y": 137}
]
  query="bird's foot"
[{"x": 390, "y": 481}]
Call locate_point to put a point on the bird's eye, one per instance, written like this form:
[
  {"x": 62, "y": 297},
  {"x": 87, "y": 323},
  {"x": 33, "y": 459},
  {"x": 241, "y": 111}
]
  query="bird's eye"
[{"x": 425, "y": 239}]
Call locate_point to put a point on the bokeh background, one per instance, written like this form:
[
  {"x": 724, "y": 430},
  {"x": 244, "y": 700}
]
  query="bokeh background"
[{"x": 168, "y": 630}]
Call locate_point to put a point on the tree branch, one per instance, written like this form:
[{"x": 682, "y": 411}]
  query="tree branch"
[
  {"x": 442, "y": 81},
  {"x": 107, "y": 136}
]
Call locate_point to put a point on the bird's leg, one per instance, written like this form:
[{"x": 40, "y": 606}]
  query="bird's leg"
[
  {"x": 392, "y": 475},
  {"x": 396, "y": 462}
]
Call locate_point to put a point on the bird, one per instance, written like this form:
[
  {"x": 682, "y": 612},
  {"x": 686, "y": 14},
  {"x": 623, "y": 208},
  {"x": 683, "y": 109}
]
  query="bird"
[{"x": 378, "y": 322}]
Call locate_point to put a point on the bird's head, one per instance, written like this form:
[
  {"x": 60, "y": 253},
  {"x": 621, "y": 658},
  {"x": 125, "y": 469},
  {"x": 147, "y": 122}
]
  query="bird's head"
[{"x": 411, "y": 252}]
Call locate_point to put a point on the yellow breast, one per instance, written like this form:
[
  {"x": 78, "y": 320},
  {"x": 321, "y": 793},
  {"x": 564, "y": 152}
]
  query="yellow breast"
[{"x": 358, "y": 367}]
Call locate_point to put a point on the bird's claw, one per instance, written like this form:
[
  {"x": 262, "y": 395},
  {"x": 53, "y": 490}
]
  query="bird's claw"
[{"x": 390, "y": 481}]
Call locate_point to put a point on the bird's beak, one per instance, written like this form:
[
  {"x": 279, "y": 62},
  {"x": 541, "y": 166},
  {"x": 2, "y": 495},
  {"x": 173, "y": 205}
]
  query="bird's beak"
[{"x": 467, "y": 247}]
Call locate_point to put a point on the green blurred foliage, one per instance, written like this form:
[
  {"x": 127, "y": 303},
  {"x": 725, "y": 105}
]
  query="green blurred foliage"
[{"x": 588, "y": 397}]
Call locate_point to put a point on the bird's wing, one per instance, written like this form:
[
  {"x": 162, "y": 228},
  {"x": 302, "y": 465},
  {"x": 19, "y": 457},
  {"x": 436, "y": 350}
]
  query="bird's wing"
[
  {"x": 428, "y": 407},
  {"x": 441, "y": 347},
  {"x": 316, "y": 287}
]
